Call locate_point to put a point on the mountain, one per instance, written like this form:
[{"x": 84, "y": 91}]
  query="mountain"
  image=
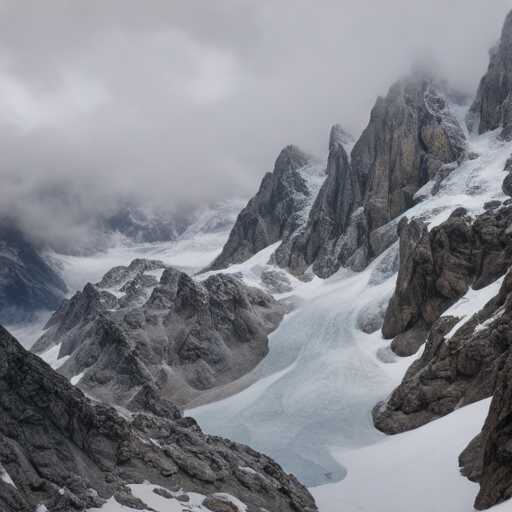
[
  {"x": 330, "y": 217},
  {"x": 27, "y": 283},
  {"x": 454, "y": 291},
  {"x": 414, "y": 137},
  {"x": 62, "y": 450},
  {"x": 492, "y": 107},
  {"x": 418, "y": 175},
  {"x": 148, "y": 333},
  {"x": 276, "y": 211}
]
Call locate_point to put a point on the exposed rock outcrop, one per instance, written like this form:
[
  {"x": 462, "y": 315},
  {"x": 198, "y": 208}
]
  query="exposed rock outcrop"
[
  {"x": 464, "y": 364},
  {"x": 272, "y": 214},
  {"x": 318, "y": 243},
  {"x": 137, "y": 342},
  {"x": 437, "y": 268},
  {"x": 71, "y": 454},
  {"x": 27, "y": 283},
  {"x": 411, "y": 134},
  {"x": 492, "y": 107}
]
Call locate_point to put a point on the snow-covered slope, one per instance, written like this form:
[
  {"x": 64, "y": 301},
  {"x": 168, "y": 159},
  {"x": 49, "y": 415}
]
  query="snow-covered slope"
[
  {"x": 191, "y": 251},
  {"x": 414, "y": 471}
]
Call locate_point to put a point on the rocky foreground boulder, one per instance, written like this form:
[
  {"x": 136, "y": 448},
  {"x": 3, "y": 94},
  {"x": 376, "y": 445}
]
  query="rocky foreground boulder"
[
  {"x": 28, "y": 284},
  {"x": 60, "y": 449},
  {"x": 147, "y": 333}
]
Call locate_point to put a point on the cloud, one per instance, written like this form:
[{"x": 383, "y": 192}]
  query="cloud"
[{"x": 173, "y": 101}]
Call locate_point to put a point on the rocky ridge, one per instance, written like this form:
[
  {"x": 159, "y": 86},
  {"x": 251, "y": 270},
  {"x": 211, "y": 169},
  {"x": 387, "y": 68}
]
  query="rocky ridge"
[
  {"x": 60, "y": 449},
  {"x": 465, "y": 359},
  {"x": 413, "y": 137},
  {"x": 148, "y": 334},
  {"x": 273, "y": 214}
]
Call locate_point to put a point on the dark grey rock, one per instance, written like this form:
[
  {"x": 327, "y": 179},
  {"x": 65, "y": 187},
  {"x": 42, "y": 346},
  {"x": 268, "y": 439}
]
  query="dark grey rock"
[
  {"x": 71, "y": 454},
  {"x": 411, "y": 134},
  {"x": 371, "y": 318},
  {"x": 436, "y": 270},
  {"x": 272, "y": 214},
  {"x": 507, "y": 182},
  {"x": 188, "y": 337},
  {"x": 164, "y": 493},
  {"x": 409, "y": 342},
  {"x": 318, "y": 243},
  {"x": 218, "y": 505},
  {"x": 492, "y": 107},
  {"x": 471, "y": 460},
  {"x": 276, "y": 281}
]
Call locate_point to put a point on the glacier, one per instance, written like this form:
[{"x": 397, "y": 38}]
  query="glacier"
[{"x": 322, "y": 376}]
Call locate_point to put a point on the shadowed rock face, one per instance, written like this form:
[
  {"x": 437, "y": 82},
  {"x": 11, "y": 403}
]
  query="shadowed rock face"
[
  {"x": 271, "y": 214},
  {"x": 437, "y": 268},
  {"x": 70, "y": 454},
  {"x": 27, "y": 283},
  {"x": 411, "y": 134},
  {"x": 329, "y": 219},
  {"x": 492, "y": 107},
  {"x": 159, "y": 341}
]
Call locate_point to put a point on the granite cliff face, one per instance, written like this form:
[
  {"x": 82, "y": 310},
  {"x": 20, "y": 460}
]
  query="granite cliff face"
[
  {"x": 138, "y": 341},
  {"x": 62, "y": 450},
  {"x": 272, "y": 214},
  {"x": 436, "y": 270},
  {"x": 492, "y": 107},
  {"x": 27, "y": 283}
]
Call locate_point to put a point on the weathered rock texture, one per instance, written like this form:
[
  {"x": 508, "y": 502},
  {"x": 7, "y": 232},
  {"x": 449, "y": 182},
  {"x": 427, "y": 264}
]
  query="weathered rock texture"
[
  {"x": 492, "y": 107},
  {"x": 71, "y": 454},
  {"x": 159, "y": 341},
  {"x": 437, "y": 268},
  {"x": 27, "y": 283},
  {"x": 272, "y": 214},
  {"x": 318, "y": 242},
  {"x": 411, "y": 134}
]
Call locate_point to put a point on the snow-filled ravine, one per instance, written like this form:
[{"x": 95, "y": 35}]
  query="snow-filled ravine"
[
  {"x": 414, "y": 471},
  {"x": 322, "y": 376}
]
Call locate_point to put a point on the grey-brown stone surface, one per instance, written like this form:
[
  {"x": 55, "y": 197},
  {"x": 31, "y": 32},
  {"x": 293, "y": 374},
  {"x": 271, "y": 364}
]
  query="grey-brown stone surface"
[
  {"x": 411, "y": 134},
  {"x": 163, "y": 340},
  {"x": 272, "y": 214},
  {"x": 69, "y": 453}
]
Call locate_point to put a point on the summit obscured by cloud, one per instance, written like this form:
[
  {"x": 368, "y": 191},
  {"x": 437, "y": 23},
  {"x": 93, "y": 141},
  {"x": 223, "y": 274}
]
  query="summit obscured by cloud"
[{"x": 182, "y": 102}]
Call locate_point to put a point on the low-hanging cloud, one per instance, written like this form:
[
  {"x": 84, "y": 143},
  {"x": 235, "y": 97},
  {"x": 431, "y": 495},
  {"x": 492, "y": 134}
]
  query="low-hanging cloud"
[{"x": 178, "y": 102}]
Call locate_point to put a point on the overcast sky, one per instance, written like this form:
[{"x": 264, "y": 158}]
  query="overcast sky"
[{"x": 177, "y": 100}]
